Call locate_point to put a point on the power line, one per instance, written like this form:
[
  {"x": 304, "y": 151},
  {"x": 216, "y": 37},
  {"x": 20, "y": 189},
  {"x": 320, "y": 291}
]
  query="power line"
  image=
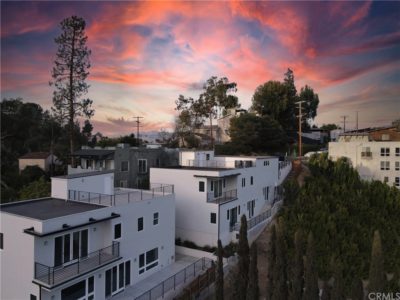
[{"x": 137, "y": 129}]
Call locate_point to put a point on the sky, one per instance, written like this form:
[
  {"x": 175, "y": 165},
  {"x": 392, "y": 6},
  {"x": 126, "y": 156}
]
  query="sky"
[{"x": 145, "y": 54}]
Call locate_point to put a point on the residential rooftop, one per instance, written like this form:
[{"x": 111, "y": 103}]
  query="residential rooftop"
[
  {"x": 47, "y": 208},
  {"x": 35, "y": 155},
  {"x": 85, "y": 174}
]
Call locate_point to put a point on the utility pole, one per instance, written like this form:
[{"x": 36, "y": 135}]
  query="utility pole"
[
  {"x": 300, "y": 119},
  {"x": 137, "y": 129},
  {"x": 357, "y": 120},
  {"x": 344, "y": 123}
]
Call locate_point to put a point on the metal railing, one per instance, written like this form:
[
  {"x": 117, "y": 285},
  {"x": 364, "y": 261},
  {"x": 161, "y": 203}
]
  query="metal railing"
[
  {"x": 175, "y": 280},
  {"x": 234, "y": 164},
  {"x": 225, "y": 197},
  {"x": 56, "y": 275},
  {"x": 259, "y": 218},
  {"x": 122, "y": 196}
]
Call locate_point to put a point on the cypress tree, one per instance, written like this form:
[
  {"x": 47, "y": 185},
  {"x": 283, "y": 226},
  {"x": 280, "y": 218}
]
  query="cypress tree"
[
  {"x": 311, "y": 291},
  {"x": 357, "y": 290},
  {"x": 219, "y": 282},
  {"x": 326, "y": 291},
  {"x": 297, "y": 274},
  {"x": 271, "y": 257},
  {"x": 242, "y": 278},
  {"x": 253, "y": 291},
  {"x": 279, "y": 289},
  {"x": 338, "y": 286},
  {"x": 376, "y": 270}
]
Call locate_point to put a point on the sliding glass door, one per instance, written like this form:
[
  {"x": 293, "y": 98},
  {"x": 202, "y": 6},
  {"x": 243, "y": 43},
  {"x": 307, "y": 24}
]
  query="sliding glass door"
[{"x": 70, "y": 247}]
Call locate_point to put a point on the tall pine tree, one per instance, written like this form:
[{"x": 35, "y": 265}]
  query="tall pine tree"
[
  {"x": 377, "y": 278},
  {"x": 69, "y": 75},
  {"x": 219, "y": 282},
  {"x": 280, "y": 288},
  {"x": 311, "y": 291},
  {"x": 253, "y": 291},
  {"x": 271, "y": 257},
  {"x": 297, "y": 274},
  {"x": 242, "y": 278}
]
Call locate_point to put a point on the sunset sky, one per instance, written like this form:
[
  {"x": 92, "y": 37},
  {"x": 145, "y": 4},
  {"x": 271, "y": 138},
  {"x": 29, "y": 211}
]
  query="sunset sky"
[{"x": 144, "y": 54}]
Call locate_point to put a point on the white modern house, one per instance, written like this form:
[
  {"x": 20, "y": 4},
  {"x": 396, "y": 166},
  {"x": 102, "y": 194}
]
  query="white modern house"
[
  {"x": 374, "y": 153},
  {"x": 89, "y": 240},
  {"x": 212, "y": 192}
]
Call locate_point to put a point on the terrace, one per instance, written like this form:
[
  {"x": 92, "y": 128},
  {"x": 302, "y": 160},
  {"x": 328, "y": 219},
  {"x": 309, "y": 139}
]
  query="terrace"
[{"x": 122, "y": 196}]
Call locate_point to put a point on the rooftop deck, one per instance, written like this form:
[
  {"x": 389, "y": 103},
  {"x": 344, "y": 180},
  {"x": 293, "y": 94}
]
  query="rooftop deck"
[
  {"x": 121, "y": 196},
  {"x": 47, "y": 208}
]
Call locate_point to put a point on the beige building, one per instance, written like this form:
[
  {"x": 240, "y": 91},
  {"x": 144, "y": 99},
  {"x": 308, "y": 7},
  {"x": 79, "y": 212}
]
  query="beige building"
[
  {"x": 373, "y": 152},
  {"x": 41, "y": 159}
]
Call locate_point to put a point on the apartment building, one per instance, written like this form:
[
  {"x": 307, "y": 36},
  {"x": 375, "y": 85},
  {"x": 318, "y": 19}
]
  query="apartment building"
[
  {"x": 131, "y": 164},
  {"x": 373, "y": 152},
  {"x": 212, "y": 192},
  {"x": 88, "y": 240}
]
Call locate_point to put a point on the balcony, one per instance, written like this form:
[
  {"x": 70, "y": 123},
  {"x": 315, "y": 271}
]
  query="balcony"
[
  {"x": 53, "y": 276},
  {"x": 366, "y": 154},
  {"x": 223, "y": 198},
  {"x": 219, "y": 164}
]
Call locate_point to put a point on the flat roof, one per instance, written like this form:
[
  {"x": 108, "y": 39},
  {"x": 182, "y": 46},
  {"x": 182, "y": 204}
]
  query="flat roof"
[
  {"x": 195, "y": 168},
  {"x": 47, "y": 208},
  {"x": 85, "y": 174}
]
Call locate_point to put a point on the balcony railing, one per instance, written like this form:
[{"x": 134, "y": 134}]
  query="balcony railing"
[
  {"x": 235, "y": 164},
  {"x": 121, "y": 195},
  {"x": 366, "y": 154},
  {"x": 224, "y": 197},
  {"x": 52, "y": 276}
]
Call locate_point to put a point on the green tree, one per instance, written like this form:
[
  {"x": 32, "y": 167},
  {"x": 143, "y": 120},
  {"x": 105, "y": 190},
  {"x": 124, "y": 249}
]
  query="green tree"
[
  {"x": 253, "y": 291},
  {"x": 69, "y": 75},
  {"x": 310, "y": 105},
  {"x": 219, "y": 282},
  {"x": 36, "y": 189},
  {"x": 291, "y": 190},
  {"x": 377, "y": 275},
  {"x": 271, "y": 258},
  {"x": 280, "y": 288},
  {"x": 87, "y": 130},
  {"x": 242, "y": 278},
  {"x": 338, "y": 288},
  {"x": 357, "y": 290},
  {"x": 311, "y": 290},
  {"x": 297, "y": 274},
  {"x": 251, "y": 133}
]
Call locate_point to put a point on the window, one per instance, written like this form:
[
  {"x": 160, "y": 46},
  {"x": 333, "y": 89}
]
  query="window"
[
  {"x": 70, "y": 246},
  {"x": 124, "y": 166},
  {"x": 117, "y": 231},
  {"x": 251, "y": 180},
  {"x": 266, "y": 163},
  {"x": 243, "y": 182},
  {"x": 266, "y": 192},
  {"x": 155, "y": 218},
  {"x": 217, "y": 187},
  {"x": 250, "y": 207},
  {"x": 201, "y": 186},
  {"x": 385, "y": 165},
  {"x": 397, "y": 181},
  {"x": 148, "y": 260},
  {"x": 227, "y": 214},
  {"x": 397, "y": 151},
  {"x": 33, "y": 297},
  {"x": 142, "y": 163},
  {"x": 117, "y": 278},
  {"x": 239, "y": 210},
  {"x": 1, "y": 241},
  {"x": 213, "y": 218},
  {"x": 385, "y": 151},
  {"x": 123, "y": 183},
  {"x": 207, "y": 156},
  {"x": 385, "y": 179},
  {"x": 82, "y": 290},
  {"x": 140, "y": 224},
  {"x": 397, "y": 165}
]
